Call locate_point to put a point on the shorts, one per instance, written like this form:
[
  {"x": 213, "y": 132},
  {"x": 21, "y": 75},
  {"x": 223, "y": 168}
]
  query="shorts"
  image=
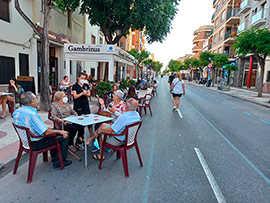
[
  {"x": 114, "y": 141},
  {"x": 176, "y": 95}
]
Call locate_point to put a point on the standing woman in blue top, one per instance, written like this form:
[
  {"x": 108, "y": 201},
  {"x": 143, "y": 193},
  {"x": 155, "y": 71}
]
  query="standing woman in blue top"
[
  {"x": 177, "y": 90},
  {"x": 12, "y": 88},
  {"x": 81, "y": 92}
]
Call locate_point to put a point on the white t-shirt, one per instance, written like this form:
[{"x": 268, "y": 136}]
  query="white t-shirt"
[{"x": 178, "y": 88}]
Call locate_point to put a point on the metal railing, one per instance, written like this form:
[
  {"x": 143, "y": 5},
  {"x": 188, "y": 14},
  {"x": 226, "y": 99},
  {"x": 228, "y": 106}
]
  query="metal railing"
[
  {"x": 233, "y": 13},
  {"x": 258, "y": 16},
  {"x": 229, "y": 34},
  {"x": 210, "y": 46},
  {"x": 241, "y": 27},
  {"x": 244, "y": 3}
]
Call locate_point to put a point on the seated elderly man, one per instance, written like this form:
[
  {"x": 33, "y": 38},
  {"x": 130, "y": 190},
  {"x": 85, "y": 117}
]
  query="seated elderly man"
[
  {"x": 127, "y": 118},
  {"x": 27, "y": 116}
]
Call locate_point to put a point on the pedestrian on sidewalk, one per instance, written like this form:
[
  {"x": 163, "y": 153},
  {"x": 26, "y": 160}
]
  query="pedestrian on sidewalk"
[
  {"x": 26, "y": 116},
  {"x": 177, "y": 90}
]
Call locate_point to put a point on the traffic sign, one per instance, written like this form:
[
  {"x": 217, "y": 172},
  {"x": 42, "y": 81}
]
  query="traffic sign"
[{"x": 210, "y": 65}]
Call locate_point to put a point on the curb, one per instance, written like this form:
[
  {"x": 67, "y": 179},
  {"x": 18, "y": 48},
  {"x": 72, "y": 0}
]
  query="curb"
[{"x": 254, "y": 102}]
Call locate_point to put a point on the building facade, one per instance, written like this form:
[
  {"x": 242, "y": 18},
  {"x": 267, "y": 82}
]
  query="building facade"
[
  {"x": 252, "y": 13},
  {"x": 200, "y": 36},
  {"x": 226, "y": 20}
]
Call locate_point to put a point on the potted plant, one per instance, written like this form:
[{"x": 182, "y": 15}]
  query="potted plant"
[{"x": 103, "y": 88}]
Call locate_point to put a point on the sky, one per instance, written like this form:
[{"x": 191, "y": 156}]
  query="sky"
[{"x": 191, "y": 15}]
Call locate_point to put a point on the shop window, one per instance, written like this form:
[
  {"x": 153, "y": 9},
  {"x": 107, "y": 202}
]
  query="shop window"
[
  {"x": 268, "y": 76},
  {"x": 122, "y": 44},
  {"x": 100, "y": 40},
  {"x": 69, "y": 16},
  {"x": 93, "y": 39},
  {"x": 4, "y": 10},
  {"x": 7, "y": 69}
]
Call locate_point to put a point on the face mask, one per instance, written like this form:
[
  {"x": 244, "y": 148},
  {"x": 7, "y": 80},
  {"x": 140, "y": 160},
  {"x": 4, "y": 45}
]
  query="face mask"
[
  {"x": 82, "y": 81},
  {"x": 65, "y": 100}
]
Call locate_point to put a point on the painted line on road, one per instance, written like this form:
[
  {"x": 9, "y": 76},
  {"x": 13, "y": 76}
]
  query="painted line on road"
[
  {"x": 179, "y": 113},
  {"x": 265, "y": 121},
  {"x": 247, "y": 113},
  {"x": 234, "y": 108},
  {"x": 234, "y": 147},
  {"x": 224, "y": 103},
  {"x": 210, "y": 177}
]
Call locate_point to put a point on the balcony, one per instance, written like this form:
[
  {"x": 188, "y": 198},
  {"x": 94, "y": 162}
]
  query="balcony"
[
  {"x": 211, "y": 32},
  {"x": 259, "y": 18},
  {"x": 210, "y": 46},
  {"x": 230, "y": 52},
  {"x": 229, "y": 37},
  {"x": 214, "y": 1},
  {"x": 233, "y": 16},
  {"x": 241, "y": 28},
  {"x": 196, "y": 49},
  {"x": 245, "y": 6}
]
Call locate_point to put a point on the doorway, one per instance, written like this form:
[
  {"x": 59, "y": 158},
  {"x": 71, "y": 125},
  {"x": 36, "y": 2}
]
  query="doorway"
[{"x": 24, "y": 64}]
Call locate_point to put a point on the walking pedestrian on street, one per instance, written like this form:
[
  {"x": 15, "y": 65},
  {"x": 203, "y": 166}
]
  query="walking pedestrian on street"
[
  {"x": 177, "y": 90},
  {"x": 171, "y": 78}
]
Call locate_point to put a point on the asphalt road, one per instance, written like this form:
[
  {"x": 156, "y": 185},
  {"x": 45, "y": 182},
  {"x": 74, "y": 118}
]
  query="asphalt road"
[{"x": 218, "y": 152}]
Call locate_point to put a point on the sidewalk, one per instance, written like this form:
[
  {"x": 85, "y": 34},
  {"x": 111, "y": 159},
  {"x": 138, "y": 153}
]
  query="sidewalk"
[{"x": 241, "y": 93}]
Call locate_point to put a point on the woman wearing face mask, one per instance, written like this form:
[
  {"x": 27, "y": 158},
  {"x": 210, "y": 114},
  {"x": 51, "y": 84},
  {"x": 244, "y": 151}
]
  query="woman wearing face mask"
[
  {"x": 81, "y": 92},
  {"x": 61, "y": 109}
]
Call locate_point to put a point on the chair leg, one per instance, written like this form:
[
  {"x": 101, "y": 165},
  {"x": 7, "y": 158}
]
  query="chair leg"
[
  {"x": 139, "y": 155},
  {"x": 18, "y": 160},
  {"x": 45, "y": 156},
  {"x": 101, "y": 157},
  {"x": 140, "y": 111},
  {"x": 150, "y": 109},
  {"x": 32, "y": 164},
  {"x": 145, "y": 110},
  {"x": 124, "y": 161},
  {"x": 60, "y": 156},
  {"x": 118, "y": 155}
]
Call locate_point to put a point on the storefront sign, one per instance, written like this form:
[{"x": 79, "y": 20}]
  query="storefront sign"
[{"x": 89, "y": 48}]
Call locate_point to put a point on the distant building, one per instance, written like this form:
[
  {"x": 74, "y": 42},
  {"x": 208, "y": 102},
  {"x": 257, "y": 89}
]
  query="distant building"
[{"x": 200, "y": 36}]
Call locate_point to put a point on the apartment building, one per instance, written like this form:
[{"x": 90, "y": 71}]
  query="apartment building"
[
  {"x": 252, "y": 13},
  {"x": 226, "y": 21},
  {"x": 200, "y": 36},
  {"x": 137, "y": 40}
]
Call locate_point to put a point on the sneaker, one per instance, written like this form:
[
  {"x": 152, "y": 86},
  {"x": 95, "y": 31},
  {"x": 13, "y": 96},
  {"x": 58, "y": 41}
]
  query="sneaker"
[
  {"x": 72, "y": 148},
  {"x": 80, "y": 146},
  {"x": 174, "y": 108},
  {"x": 94, "y": 149},
  {"x": 107, "y": 149}
]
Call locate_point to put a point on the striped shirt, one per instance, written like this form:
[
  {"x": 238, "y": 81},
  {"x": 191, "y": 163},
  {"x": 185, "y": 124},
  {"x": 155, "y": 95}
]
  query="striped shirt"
[{"x": 27, "y": 116}]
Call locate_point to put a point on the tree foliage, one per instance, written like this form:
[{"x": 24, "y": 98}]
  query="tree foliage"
[
  {"x": 153, "y": 16},
  {"x": 204, "y": 58},
  {"x": 231, "y": 67},
  {"x": 257, "y": 42},
  {"x": 220, "y": 60},
  {"x": 196, "y": 63},
  {"x": 139, "y": 56},
  {"x": 175, "y": 66}
]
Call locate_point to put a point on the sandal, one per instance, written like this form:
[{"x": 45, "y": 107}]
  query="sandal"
[
  {"x": 80, "y": 147},
  {"x": 95, "y": 156},
  {"x": 3, "y": 116},
  {"x": 71, "y": 148}
]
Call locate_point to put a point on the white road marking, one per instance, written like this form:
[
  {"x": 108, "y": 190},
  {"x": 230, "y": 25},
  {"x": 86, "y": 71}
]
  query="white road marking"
[
  {"x": 179, "y": 112},
  {"x": 210, "y": 177}
]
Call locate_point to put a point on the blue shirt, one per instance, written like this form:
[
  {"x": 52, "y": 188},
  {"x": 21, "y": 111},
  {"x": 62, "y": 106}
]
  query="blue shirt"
[
  {"x": 122, "y": 121},
  {"x": 27, "y": 116}
]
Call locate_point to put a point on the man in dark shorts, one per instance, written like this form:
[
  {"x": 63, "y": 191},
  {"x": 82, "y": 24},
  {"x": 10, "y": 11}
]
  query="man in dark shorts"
[{"x": 171, "y": 77}]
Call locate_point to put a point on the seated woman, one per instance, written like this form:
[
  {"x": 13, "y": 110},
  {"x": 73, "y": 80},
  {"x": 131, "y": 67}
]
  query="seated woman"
[
  {"x": 61, "y": 109},
  {"x": 131, "y": 93},
  {"x": 12, "y": 88},
  {"x": 65, "y": 84},
  {"x": 110, "y": 94},
  {"x": 116, "y": 107}
]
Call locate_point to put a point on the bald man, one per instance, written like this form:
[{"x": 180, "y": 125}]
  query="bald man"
[{"x": 127, "y": 118}]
